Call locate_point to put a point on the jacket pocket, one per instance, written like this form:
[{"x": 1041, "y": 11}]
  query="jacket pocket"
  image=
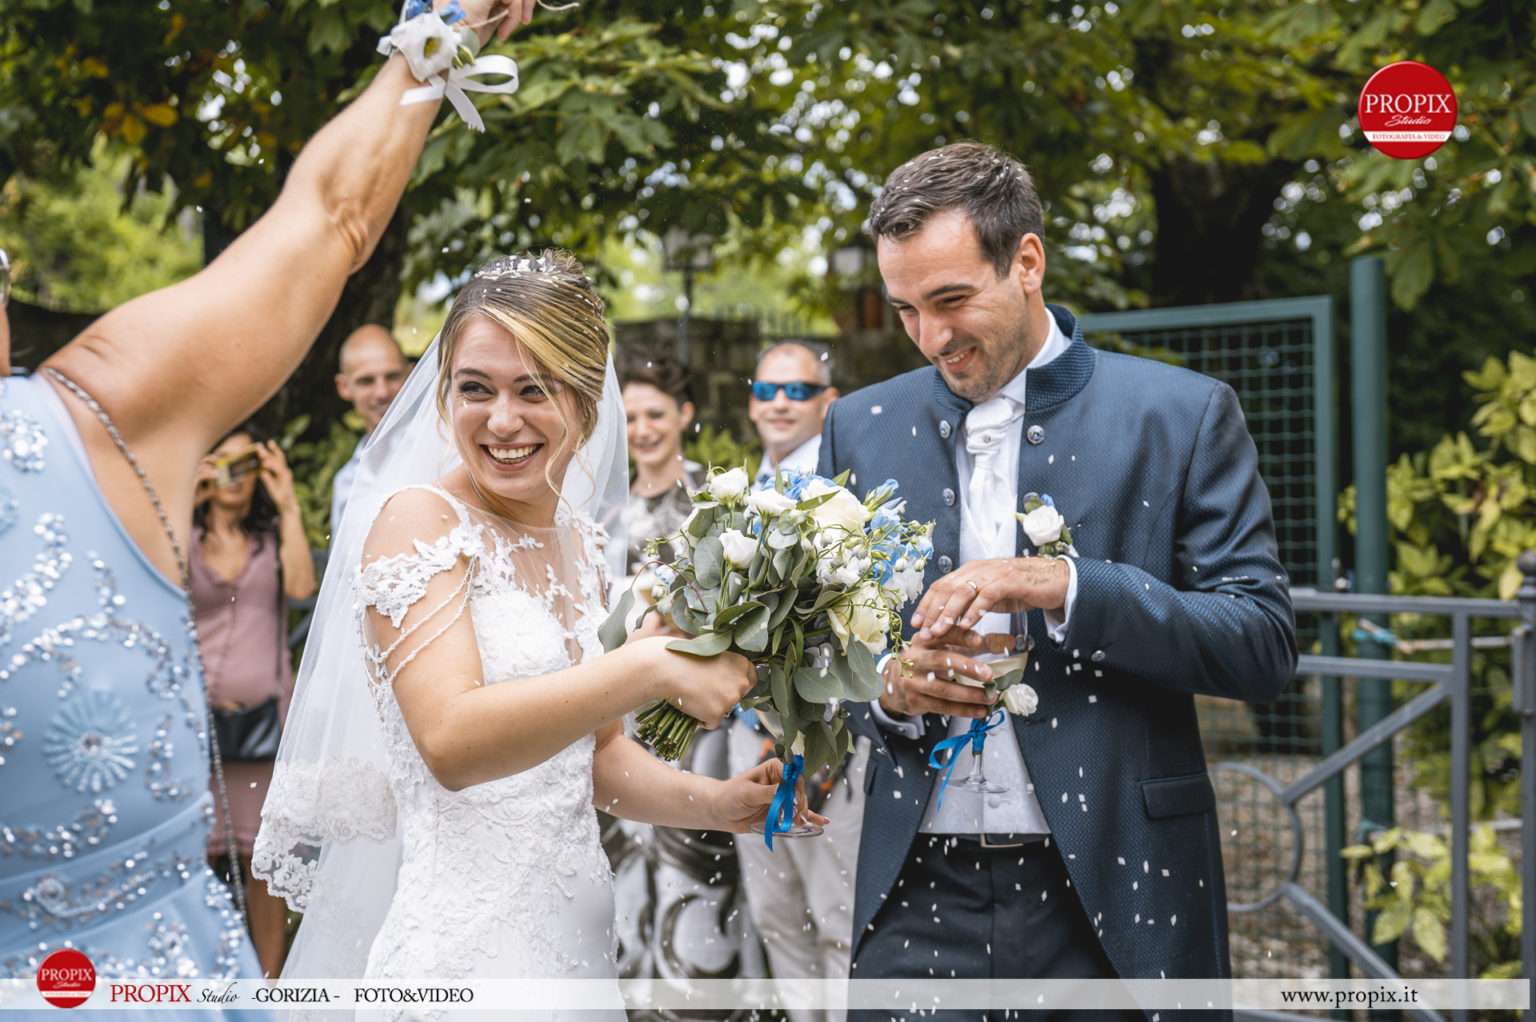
[{"x": 1178, "y": 796}]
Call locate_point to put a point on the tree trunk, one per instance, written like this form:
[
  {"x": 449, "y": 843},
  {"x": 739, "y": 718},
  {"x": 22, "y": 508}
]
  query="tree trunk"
[
  {"x": 1210, "y": 219},
  {"x": 37, "y": 332}
]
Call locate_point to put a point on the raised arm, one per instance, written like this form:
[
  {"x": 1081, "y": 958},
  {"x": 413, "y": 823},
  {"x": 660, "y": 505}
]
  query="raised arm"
[{"x": 178, "y": 367}]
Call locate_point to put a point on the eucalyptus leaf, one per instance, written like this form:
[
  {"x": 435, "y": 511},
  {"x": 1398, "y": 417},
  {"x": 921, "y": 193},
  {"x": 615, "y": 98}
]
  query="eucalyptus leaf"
[
  {"x": 752, "y": 633},
  {"x": 818, "y": 686},
  {"x": 708, "y": 562},
  {"x": 782, "y": 539},
  {"x": 708, "y": 644},
  {"x": 779, "y": 685},
  {"x": 612, "y": 632},
  {"x": 689, "y": 620},
  {"x": 729, "y": 614},
  {"x": 781, "y": 611},
  {"x": 863, "y": 675},
  {"x": 703, "y": 517}
]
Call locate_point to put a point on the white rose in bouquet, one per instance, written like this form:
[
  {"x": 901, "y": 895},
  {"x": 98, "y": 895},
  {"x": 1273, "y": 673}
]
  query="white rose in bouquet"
[
  {"x": 739, "y": 547},
  {"x": 1020, "y": 700},
  {"x": 1043, "y": 525},
  {"x": 729, "y": 486},
  {"x": 770, "y": 503},
  {"x": 842, "y": 512},
  {"x": 861, "y": 617}
]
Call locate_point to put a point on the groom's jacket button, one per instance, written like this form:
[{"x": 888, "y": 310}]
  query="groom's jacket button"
[
  {"x": 949, "y": 497},
  {"x": 1035, "y": 434},
  {"x": 944, "y": 428},
  {"x": 945, "y": 563}
]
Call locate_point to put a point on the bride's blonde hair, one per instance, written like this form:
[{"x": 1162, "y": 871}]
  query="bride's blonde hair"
[{"x": 547, "y": 303}]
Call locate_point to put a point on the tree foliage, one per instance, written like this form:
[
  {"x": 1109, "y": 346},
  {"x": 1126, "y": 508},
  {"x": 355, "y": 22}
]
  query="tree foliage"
[{"x": 1197, "y": 151}]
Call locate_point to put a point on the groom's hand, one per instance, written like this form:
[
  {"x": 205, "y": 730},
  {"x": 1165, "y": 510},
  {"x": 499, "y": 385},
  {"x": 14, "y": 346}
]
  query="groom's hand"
[
  {"x": 923, "y": 678},
  {"x": 1005, "y": 584}
]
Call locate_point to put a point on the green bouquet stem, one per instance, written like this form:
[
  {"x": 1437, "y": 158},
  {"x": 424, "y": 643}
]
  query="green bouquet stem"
[{"x": 666, "y": 729}]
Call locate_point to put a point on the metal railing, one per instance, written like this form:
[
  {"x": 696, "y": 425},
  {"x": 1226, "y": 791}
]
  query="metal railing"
[{"x": 1444, "y": 683}]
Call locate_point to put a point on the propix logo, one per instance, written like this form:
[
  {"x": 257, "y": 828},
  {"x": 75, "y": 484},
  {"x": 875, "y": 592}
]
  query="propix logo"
[
  {"x": 66, "y": 978},
  {"x": 1407, "y": 110}
]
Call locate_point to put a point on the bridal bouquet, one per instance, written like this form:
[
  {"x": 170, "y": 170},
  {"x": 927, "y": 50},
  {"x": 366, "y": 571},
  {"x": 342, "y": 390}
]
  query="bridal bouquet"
[{"x": 803, "y": 579}]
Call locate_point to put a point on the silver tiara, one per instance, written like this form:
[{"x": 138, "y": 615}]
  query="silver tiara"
[{"x": 519, "y": 265}]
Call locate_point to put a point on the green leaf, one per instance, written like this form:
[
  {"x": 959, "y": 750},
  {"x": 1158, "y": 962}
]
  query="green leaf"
[
  {"x": 752, "y": 633},
  {"x": 785, "y": 605},
  {"x": 729, "y": 614},
  {"x": 1391, "y": 923},
  {"x": 782, "y": 539},
  {"x": 818, "y": 686},
  {"x": 708, "y": 644},
  {"x": 702, "y": 518},
  {"x": 1412, "y": 274},
  {"x": 612, "y": 632},
  {"x": 1429, "y": 933},
  {"x": 1434, "y": 15},
  {"x": 780, "y": 687},
  {"x": 709, "y": 561},
  {"x": 865, "y": 679}
]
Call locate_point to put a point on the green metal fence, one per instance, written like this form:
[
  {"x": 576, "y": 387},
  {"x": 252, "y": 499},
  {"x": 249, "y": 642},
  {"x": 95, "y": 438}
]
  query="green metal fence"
[{"x": 1279, "y": 357}]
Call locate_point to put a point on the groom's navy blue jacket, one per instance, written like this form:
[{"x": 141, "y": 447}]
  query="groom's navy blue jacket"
[{"x": 1180, "y": 590}]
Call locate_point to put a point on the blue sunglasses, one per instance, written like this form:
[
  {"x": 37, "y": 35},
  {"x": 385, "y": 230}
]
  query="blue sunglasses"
[{"x": 794, "y": 391}]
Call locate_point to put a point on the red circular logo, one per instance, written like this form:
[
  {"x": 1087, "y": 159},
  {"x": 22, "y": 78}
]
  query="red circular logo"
[
  {"x": 1407, "y": 110},
  {"x": 66, "y": 978}
]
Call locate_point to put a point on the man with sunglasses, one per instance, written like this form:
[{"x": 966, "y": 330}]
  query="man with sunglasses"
[
  {"x": 800, "y": 895},
  {"x": 791, "y": 392}
]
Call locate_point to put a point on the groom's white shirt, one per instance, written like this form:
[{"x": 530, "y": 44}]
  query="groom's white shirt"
[{"x": 1016, "y": 811}]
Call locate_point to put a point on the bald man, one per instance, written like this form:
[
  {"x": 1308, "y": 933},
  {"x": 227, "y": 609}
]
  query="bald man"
[{"x": 372, "y": 371}]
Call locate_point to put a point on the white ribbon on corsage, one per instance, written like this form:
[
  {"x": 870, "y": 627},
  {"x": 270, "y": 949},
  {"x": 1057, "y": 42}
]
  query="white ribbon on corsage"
[
  {"x": 431, "y": 48},
  {"x": 460, "y": 80}
]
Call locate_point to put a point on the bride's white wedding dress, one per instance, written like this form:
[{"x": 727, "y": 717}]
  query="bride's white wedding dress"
[{"x": 505, "y": 879}]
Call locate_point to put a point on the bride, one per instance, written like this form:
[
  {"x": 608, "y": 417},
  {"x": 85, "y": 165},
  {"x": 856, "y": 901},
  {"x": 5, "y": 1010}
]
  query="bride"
[{"x": 455, "y": 723}]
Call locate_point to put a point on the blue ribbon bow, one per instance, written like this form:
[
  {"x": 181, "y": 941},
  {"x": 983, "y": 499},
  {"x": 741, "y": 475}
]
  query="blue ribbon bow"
[
  {"x": 977, "y": 736},
  {"x": 781, "y": 814}
]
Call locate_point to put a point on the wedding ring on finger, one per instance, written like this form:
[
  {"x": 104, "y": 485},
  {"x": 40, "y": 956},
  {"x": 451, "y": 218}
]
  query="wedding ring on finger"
[{"x": 975, "y": 589}]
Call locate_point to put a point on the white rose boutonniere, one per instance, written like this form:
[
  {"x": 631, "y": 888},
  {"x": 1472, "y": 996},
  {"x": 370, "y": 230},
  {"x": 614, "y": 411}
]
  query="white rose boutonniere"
[
  {"x": 1046, "y": 527},
  {"x": 1020, "y": 700}
]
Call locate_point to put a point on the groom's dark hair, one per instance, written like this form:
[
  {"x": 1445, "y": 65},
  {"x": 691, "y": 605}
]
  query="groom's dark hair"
[{"x": 992, "y": 187}]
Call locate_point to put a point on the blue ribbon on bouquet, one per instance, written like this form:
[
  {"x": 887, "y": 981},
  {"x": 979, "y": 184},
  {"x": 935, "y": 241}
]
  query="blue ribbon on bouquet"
[
  {"x": 976, "y": 736},
  {"x": 781, "y": 814}
]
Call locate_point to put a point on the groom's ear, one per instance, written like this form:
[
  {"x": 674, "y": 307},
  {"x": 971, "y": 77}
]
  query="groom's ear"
[{"x": 1029, "y": 263}]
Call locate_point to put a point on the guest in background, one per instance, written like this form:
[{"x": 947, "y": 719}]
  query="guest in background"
[
  {"x": 800, "y": 895},
  {"x": 248, "y": 559},
  {"x": 677, "y": 893},
  {"x": 791, "y": 392},
  {"x": 372, "y": 371},
  {"x": 659, "y": 410}
]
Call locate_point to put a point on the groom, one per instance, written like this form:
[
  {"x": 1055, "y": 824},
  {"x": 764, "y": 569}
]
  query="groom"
[{"x": 1101, "y": 857}]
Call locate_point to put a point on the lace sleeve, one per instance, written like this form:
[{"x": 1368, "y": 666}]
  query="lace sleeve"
[{"x": 415, "y": 578}]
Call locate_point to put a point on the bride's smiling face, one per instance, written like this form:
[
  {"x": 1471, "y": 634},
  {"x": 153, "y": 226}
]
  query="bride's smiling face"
[{"x": 510, "y": 431}]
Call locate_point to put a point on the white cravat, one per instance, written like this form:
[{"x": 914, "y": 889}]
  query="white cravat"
[
  {"x": 988, "y": 515},
  {"x": 988, "y": 469}
]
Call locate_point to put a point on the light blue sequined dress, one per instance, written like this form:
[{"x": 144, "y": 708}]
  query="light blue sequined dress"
[{"x": 104, "y": 771}]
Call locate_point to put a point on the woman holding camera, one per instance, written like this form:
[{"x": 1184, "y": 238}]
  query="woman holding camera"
[{"x": 249, "y": 558}]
